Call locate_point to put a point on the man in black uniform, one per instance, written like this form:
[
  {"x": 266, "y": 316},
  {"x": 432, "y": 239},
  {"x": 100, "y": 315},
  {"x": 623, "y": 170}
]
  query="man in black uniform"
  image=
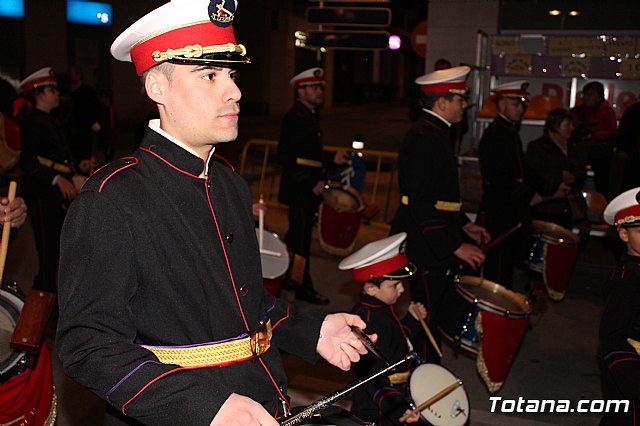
[
  {"x": 48, "y": 170},
  {"x": 163, "y": 312},
  {"x": 430, "y": 194},
  {"x": 508, "y": 183},
  {"x": 620, "y": 323},
  {"x": 303, "y": 163}
]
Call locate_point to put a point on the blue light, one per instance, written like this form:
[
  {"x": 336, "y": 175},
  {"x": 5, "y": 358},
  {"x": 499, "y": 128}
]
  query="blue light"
[
  {"x": 88, "y": 12},
  {"x": 12, "y": 8}
]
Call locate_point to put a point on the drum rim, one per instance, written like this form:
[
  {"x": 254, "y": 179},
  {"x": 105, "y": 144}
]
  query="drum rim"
[
  {"x": 549, "y": 228},
  {"x": 451, "y": 374},
  {"x": 491, "y": 307},
  {"x": 348, "y": 189},
  {"x": 283, "y": 251},
  {"x": 11, "y": 366}
]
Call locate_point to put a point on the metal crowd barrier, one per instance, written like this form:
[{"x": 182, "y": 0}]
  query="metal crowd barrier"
[{"x": 259, "y": 166}]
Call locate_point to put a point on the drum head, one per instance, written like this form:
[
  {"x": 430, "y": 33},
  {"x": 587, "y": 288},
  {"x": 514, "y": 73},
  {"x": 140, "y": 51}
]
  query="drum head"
[
  {"x": 10, "y": 307},
  {"x": 493, "y": 297},
  {"x": 274, "y": 256},
  {"x": 561, "y": 234},
  {"x": 342, "y": 199},
  {"x": 429, "y": 379}
]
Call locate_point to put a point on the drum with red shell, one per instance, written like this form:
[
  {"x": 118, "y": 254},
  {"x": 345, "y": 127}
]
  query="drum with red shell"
[
  {"x": 553, "y": 255},
  {"x": 274, "y": 259},
  {"x": 26, "y": 380},
  {"x": 339, "y": 219},
  {"x": 491, "y": 327}
]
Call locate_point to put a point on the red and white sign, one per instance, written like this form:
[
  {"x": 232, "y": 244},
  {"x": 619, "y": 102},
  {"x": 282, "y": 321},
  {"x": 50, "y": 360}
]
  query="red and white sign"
[{"x": 419, "y": 39}]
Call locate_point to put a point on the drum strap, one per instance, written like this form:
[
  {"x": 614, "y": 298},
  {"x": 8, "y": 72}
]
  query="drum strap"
[
  {"x": 443, "y": 206},
  {"x": 217, "y": 353},
  {"x": 309, "y": 163}
]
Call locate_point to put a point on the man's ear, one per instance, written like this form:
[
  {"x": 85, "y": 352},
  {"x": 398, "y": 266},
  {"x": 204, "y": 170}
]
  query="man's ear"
[
  {"x": 441, "y": 103},
  {"x": 370, "y": 288},
  {"x": 155, "y": 84}
]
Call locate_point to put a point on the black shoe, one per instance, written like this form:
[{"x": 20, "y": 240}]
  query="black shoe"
[{"x": 313, "y": 297}]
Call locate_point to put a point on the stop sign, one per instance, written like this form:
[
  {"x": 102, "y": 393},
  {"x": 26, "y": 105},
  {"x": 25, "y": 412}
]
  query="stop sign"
[{"x": 419, "y": 39}]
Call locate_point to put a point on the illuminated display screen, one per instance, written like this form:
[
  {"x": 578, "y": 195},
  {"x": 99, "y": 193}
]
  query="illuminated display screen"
[
  {"x": 12, "y": 8},
  {"x": 88, "y": 12}
]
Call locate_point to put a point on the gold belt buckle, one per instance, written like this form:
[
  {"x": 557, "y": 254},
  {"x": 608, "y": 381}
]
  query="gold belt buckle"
[{"x": 260, "y": 340}]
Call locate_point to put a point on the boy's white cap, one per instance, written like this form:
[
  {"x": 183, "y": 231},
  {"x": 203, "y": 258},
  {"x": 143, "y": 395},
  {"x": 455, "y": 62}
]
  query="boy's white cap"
[
  {"x": 380, "y": 259},
  {"x": 182, "y": 31},
  {"x": 624, "y": 209}
]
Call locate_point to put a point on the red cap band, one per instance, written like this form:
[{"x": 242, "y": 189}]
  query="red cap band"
[
  {"x": 631, "y": 211},
  {"x": 444, "y": 87},
  {"x": 42, "y": 81},
  {"x": 203, "y": 33},
  {"x": 381, "y": 268},
  {"x": 309, "y": 81}
]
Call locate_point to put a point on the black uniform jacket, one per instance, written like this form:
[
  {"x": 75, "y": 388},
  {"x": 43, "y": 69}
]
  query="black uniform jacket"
[
  {"x": 379, "y": 400},
  {"x": 547, "y": 160},
  {"x": 428, "y": 173},
  {"x": 508, "y": 182},
  {"x": 300, "y": 138},
  {"x": 42, "y": 134},
  {"x": 621, "y": 321},
  {"x": 153, "y": 254}
]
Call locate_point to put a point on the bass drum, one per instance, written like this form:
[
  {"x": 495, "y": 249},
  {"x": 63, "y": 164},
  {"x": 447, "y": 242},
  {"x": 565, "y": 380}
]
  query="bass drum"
[
  {"x": 11, "y": 303},
  {"x": 425, "y": 382}
]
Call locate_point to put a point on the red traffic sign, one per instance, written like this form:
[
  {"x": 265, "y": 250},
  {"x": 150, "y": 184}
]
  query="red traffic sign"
[{"x": 419, "y": 39}]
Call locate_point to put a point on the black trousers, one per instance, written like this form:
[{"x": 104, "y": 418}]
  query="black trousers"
[{"x": 298, "y": 238}]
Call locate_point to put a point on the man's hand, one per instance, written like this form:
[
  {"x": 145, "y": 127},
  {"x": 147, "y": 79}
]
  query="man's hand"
[
  {"x": 14, "y": 212},
  {"x": 319, "y": 187},
  {"x": 67, "y": 188},
  {"x": 470, "y": 254},
  {"x": 478, "y": 233},
  {"x": 568, "y": 177},
  {"x": 239, "y": 410},
  {"x": 87, "y": 165},
  {"x": 338, "y": 344},
  {"x": 562, "y": 190}
]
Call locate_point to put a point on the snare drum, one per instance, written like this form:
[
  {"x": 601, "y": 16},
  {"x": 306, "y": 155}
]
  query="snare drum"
[
  {"x": 553, "y": 255},
  {"x": 11, "y": 303},
  {"x": 491, "y": 327},
  {"x": 26, "y": 394},
  {"x": 339, "y": 219},
  {"x": 451, "y": 410},
  {"x": 274, "y": 259}
]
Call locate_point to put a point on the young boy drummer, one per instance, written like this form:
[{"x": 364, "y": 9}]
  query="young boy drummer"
[
  {"x": 620, "y": 323},
  {"x": 380, "y": 267}
]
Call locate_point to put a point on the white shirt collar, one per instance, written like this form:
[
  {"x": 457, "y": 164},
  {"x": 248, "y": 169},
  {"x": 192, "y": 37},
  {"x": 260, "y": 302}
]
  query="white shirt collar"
[
  {"x": 155, "y": 126},
  {"x": 436, "y": 115}
]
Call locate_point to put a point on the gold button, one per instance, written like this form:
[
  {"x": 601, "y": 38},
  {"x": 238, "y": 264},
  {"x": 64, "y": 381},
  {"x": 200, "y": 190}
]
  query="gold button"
[
  {"x": 230, "y": 237},
  {"x": 244, "y": 290}
]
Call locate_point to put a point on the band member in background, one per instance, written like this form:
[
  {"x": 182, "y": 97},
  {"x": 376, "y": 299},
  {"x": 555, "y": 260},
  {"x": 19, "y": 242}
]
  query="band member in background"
[
  {"x": 620, "y": 322},
  {"x": 380, "y": 267},
  {"x": 430, "y": 211},
  {"x": 48, "y": 168},
  {"x": 163, "y": 312},
  {"x": 303, "y": 170}
]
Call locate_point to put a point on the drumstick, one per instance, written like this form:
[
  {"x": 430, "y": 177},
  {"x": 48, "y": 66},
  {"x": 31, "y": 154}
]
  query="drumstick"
[
  {"x": 261, "y": 223},
  {"x": 270, "y": 253},
  {"x": 6, "y": 229},
  {"x": 426, "y": 330},
  {"x": 435, "y": 398},
  {"x": 500, "y": 238}
]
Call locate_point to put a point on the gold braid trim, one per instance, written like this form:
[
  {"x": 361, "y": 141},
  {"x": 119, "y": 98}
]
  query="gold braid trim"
[
  {"x": 197, "y": 51},
  {"x": 627, "y": 220},
  {"x": 51, "y": 420},
  {"x": 399, "y": 378},
  {"x": 635, "y": 344},
  {"x": 481, "y": 366},
  {"x": 447, "y": 206}
]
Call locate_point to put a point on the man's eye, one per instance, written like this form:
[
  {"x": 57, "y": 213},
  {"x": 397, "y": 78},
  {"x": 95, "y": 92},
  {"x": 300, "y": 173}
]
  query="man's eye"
[
  {"x": 235, "y": 76},
  {"x": 209, "y": 76}
]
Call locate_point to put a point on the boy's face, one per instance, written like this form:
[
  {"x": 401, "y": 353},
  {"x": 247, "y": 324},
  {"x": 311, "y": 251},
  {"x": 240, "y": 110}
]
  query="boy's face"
[
  {"x": 631, "y": 236},
  {"x": 388, "y": 292}
]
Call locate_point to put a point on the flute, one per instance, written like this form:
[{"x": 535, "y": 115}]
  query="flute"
[{"x": 310, "y": 410}]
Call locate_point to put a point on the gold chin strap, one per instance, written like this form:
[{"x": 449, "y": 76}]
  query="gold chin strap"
[{"x": 197, "y": 51}]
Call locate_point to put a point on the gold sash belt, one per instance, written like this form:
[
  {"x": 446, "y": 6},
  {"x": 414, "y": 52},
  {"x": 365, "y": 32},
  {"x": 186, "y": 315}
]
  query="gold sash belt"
[
  {"x": 443, "y": 206},
  {"x": 308, "y": 163},
  {"x": 399, "y": 378},
  {"x": 216, "y": 353},
  {"x": 58, "y": 167}
]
